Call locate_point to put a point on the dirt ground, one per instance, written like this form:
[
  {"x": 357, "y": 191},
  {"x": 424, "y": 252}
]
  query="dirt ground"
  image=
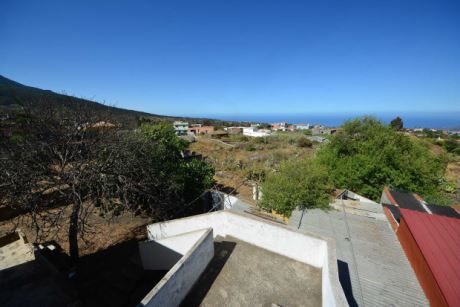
[
  {"x": 102, "y": 233},
  {"x": 235, "y": 166}
]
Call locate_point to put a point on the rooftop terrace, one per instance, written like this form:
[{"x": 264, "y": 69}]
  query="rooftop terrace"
[
  {"x": 241, "y": 274},
  {"x": 230, "y": 258}
]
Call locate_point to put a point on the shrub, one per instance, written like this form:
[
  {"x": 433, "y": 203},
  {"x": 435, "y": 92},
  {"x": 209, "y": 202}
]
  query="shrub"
[
  {"x": 298, "y": 183},
  {"x": 304, "y": 142},
  {"x": 249, "y": 147},
  {"x": 368, "y": 155},
  {"x": 450, "y": 145}
]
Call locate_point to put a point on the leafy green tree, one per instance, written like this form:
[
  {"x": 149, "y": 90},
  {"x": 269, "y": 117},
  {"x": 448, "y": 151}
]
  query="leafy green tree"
[
  {"x": 368, "y": 155},
  {"x": 397, "y": 123},
  {"x": 157, "y": 178},
  {"x": 164, "y": 137},
  {"x": 298, "y": 183},
  {"x": 197, "y": 176}
]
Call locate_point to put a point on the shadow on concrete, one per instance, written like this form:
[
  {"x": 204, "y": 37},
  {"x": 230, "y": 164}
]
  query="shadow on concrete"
[
  {"x": 115, "y": 276},
  {"x": 36, "y": 283},
  {"x": 222, "y": 251},
  {"x": 156, "y": 256},
  {"x": 345, "y": 281}
]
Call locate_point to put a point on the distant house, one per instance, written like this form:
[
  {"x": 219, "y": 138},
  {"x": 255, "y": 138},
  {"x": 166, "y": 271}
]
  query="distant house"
[
  {"x": 219, "y": 134},
  {"x": 181, "y": 128},
  {"x": 302, "y": 126},
  {"x": 101, "y": 125},
  {"x": 234, "y": 130},
  {"x": 255, "y": 132},
  {"x": 320, "y": 129},
  {"x": 280, "y": 126},
  {"x": 201, "y": 129}
]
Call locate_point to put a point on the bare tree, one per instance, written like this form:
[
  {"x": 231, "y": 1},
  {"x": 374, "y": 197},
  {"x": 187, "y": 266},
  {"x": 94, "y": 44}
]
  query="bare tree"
[
  {"x": 79, "y": 160},
  {"x": 58, "y": 160}
]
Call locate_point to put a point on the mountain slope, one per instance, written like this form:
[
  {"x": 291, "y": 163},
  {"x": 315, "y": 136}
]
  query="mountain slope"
[{"x": 14, "y": 95}]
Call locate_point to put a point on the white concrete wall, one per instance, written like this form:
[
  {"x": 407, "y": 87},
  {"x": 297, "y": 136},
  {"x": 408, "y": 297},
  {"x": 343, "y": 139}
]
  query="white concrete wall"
[
  {"x": 359, "y": 197},
  {"x": 176, "y": 284},
  {"x": 261, "y": 233},
  {"x": 280, "y": 240},
  {"x": 307, "y": 248},
  {"x": 165, "y": 253},
  {"x": 227, "y": 200}
]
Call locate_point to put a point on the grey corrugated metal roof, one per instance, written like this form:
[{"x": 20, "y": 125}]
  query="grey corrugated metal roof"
[{"x": 373, "y": 268}]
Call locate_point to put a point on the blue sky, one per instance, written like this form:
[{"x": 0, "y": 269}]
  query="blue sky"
[{"x": 239, "y": 57}]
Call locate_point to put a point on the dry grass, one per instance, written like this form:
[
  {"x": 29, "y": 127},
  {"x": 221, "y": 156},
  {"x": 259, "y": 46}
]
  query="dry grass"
[
  {"x": 234, "y": 165},
  {"x": 453, "y": 173}
]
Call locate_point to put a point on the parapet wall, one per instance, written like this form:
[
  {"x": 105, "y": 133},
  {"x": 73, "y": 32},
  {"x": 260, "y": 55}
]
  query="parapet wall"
[
  {"x": 179, "y": 280},
  {"x": 307, "y": 248}
]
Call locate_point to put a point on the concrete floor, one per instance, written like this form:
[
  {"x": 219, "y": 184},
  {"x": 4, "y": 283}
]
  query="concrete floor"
[{"x": 241, "y": 274}]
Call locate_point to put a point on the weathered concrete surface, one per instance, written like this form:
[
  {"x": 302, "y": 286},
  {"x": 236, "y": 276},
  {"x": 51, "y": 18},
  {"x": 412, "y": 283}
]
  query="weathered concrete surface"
[
  {"x": 308, "y": 248},
  {"x": 372, "y": 266},
  {"x": 14, "y": 250},
  {"x": 242, "y": 274}
]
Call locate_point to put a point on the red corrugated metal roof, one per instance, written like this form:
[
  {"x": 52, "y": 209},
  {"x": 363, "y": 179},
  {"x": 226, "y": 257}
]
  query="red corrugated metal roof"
[{"x": 438, "y": 238}]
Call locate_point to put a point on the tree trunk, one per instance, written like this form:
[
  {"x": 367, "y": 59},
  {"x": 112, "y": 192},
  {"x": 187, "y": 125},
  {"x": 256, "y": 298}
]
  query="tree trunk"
[{"x": 73, "y": 232}]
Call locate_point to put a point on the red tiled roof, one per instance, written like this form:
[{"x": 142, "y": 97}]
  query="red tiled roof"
[{"x": 438, "y": 238}]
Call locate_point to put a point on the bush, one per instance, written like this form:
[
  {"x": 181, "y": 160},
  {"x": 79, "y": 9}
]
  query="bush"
[
  {"x": 298, "y": 183},
  {"x": 368, "y": 155},
  {"x": 238, "y": 138},
  {"x": 450, "y": 145},
  {"x": 249, "y": 147},
  {"x": 304, "y": 142},
  {"x": 16, "y": 138},
  {"x": 260, "y": 140}
]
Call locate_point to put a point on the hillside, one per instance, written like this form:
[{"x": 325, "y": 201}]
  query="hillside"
[{"x": 14, "y": 95}]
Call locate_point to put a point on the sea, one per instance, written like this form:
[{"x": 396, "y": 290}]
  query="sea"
[{"x": 445, "y": 120}]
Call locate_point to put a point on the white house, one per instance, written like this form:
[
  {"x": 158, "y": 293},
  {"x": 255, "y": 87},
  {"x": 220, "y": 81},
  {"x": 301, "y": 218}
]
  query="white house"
[
  {"x": 181, "y": 128},
  {"x": 302, "y": 126},
  {"x": 255, "y": 132}
]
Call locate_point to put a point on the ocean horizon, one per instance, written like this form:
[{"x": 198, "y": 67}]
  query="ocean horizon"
[{"x": 443, "y": 120}]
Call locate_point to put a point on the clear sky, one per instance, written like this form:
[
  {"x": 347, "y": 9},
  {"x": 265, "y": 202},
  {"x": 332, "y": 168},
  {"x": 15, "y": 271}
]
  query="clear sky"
[{"x": 216, "y": 57}]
